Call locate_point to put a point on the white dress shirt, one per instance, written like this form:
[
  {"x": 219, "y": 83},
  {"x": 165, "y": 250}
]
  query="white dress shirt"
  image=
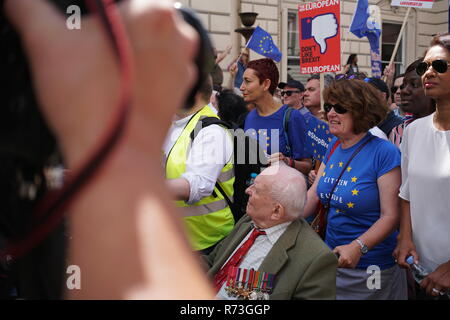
[{"x": 211, "y": 150}]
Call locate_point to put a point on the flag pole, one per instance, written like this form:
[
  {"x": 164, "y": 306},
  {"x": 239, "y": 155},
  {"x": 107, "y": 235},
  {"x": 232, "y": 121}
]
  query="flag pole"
[
  {"x": 322, "y": 87},
  {"x": 398, "y": 39}
]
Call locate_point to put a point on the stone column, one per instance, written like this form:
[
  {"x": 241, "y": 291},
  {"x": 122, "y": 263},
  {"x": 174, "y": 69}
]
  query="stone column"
[{"x": 235, "y": 8}]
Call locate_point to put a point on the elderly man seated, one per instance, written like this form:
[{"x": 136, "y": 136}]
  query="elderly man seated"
[{"x": 272, "y": 253}]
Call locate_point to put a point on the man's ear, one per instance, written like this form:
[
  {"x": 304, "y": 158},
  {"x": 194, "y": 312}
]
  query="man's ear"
[
  {"x": 278, "y": 212},
  {"x": 266, "y": 84}
]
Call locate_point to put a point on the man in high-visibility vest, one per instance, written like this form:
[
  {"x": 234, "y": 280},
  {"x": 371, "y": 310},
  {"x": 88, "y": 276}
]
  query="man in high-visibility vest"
[{"x": 194, "y": 166}]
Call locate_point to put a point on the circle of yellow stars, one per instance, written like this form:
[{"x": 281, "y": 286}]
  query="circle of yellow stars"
[
  {"x": 262, "y": 41},
  {"x": 355, "y": 192}
]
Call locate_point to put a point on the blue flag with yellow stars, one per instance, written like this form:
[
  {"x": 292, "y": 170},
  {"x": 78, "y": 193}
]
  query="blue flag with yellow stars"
[
  {"x": 318, "y": 137},
  {"x": 261, "y": 42}
]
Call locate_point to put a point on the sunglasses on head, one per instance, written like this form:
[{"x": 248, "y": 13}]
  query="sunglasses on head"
[
  {"x": 440, "y": 66},
  {"x": 288, "y": 92},
  {"x": 345, "y": 77},
  {"x": 337, "y": 108}
]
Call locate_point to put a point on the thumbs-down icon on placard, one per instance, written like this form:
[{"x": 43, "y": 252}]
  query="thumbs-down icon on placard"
[{"x": 320, "y": 28}]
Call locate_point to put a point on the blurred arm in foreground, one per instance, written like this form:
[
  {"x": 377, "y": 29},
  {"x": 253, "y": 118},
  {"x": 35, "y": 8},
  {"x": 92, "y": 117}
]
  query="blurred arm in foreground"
[{"x": 127, "y": 237}]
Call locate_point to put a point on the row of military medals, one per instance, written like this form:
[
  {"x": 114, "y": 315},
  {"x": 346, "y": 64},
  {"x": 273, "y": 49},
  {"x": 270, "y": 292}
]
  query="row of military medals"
[{"x": 249, "y": 284}]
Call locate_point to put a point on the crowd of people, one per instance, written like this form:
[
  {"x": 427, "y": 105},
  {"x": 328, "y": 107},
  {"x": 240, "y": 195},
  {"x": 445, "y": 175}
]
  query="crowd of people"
[
  {"x": 166, "y": 198},
  {"x": 363, "y": 181}
]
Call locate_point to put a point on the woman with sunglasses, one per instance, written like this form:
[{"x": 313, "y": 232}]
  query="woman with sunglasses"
[
  {"x": 425, "y": 220},
  {"x": 266, "y": 122},
  {"x": 359, "y": 183}
]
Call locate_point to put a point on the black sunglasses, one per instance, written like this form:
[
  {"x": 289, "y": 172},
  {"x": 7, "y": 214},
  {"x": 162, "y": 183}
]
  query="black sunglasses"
[
  {"x": 337, "y": 108},
  {"x": 439, "y": 66},
  {"x": 289, "y": 92},
  {"x": 394, "y": 89}
]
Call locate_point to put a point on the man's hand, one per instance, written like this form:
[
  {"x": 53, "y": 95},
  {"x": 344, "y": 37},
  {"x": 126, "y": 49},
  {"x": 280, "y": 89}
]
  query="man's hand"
[
  {"x": 312, "y": 177},
  {"x": 388, "y": 74},
  {"x": 274, "y": 158},
  {"x": 233, "y": 69},
  {"x": 439, "y": 280},
  {"x": 404, "y": 249}
]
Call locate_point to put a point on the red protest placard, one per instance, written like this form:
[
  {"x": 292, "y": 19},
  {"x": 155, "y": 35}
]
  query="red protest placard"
[{"x": 320, "y": 37}]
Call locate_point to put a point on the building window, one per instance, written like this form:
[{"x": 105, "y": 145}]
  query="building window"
[{"x": 388, "y": 40}]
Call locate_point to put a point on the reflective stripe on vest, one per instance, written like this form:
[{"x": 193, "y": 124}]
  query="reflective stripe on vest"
[
  {"x": 210, "y": 219},
  {"x": 225, "y": 176},
  {"x": 205, "y": 208}
]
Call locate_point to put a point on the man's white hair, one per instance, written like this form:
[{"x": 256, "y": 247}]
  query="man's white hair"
[{"x": 288, "y": 187}]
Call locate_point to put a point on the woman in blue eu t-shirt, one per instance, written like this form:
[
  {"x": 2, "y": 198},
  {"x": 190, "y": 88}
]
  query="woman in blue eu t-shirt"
[
  {"x": 265, "y": 122},
  {"x": 364, "y": 206}
]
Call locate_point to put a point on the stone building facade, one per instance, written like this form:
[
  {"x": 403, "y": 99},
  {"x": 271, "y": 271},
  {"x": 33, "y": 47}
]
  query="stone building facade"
[{"x": 279, "y": 18}]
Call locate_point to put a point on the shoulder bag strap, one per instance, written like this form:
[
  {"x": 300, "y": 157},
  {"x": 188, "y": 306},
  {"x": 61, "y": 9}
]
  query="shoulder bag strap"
[
  {"x": 345, "y": 167},
  {"x": 286, "y": 118}
]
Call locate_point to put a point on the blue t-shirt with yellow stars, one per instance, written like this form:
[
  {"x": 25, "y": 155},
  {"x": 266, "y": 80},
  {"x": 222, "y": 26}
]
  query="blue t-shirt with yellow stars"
[
  {"x": 270, "y": 133},
  {"x": 355, "y": 203}
]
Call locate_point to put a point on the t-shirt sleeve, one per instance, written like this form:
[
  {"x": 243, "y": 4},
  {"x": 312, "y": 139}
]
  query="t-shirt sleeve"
[
  {"x": 297, "y": 135},
  {"x": 387, "y": 158},
  {"x": 404, "y": 188}
]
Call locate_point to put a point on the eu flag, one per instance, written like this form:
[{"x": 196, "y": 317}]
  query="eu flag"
[
  {"x": 318, "y": 137},
  {"x": 359, "y": 23},
  {"x": 261, "y": 42},
  {"x": 363, "y": 25}
]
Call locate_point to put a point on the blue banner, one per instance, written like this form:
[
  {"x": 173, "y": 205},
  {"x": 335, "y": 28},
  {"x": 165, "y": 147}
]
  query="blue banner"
[
  {"x": 261, "y": 42},
  {"x": 374, "y": 41},
  {"x": 318, "y": 137},
  {"x": 363, "y": 25},
  {"x": 359, "y": 23}
]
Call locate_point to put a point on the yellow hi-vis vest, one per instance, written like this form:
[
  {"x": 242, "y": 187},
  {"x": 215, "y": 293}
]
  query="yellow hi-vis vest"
[{"x": 210, "y": 219}]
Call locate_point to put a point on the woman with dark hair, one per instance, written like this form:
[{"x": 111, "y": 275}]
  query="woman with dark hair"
[
  {"x": 413, "y": 101},
  {"x": 359, "y": 183},
  {"x": 266, "y": 121},
  {"x": 425, "y": 220},
  {"x": 351, "y": 66}
]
